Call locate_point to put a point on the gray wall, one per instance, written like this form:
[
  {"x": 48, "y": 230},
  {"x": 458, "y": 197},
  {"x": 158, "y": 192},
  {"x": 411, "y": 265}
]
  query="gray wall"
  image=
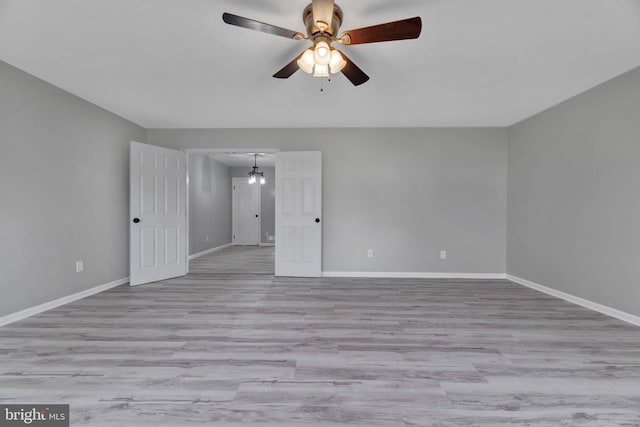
[
  {"x": 209, "y": 203},
  {"x": 267, "y": 200},
  {"x": 405, "y": 193},
  {"x": 574, "y": 196},
  {"x": 64, "y": 192},
  {"x": 571, "y": 220}
]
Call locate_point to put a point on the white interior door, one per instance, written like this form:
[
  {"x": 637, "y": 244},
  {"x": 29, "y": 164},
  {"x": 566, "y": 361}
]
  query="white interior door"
[
  {"x": 246, "y": 212},
  {"x": 298, "y": 214},
  {"x": 158, "y": 192}
]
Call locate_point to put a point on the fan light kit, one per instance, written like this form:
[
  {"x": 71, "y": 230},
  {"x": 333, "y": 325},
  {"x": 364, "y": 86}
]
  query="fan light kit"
[
  {"x": 255, "y": 174},
  {"x": 322, "y": 19},
  {"x": 321, "y": 61}
]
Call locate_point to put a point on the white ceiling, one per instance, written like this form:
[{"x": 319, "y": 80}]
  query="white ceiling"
[
  {"x": 174, "y": 63},
  {"x": 242, "y": 159}
]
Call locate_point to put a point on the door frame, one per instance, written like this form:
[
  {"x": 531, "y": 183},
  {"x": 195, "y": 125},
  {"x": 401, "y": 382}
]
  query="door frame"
[
  {"x": 233, "y": 209},
  {"x": 190, "y": 151}
]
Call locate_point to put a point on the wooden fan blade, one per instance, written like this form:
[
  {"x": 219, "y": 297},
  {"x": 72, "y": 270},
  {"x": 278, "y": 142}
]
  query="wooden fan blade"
[
  {"x": 398, "y": 30},
  {"x": 252, "y": 24},
  {"x": 322, "y": 13},
  {"x": 288, "y": 69},
  {"x": 353, "y": 73}
]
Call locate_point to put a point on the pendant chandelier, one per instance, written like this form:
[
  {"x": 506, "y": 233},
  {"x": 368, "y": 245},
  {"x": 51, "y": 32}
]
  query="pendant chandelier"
[{"x": 255, "y": 174}]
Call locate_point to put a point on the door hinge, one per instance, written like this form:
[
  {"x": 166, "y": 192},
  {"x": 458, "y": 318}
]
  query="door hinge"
[
  {"x": 234, "y": 237},
  {"x": 234, "y": 187}
]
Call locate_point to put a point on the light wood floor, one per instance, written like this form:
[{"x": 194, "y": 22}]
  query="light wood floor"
[{"x": 230, "y": 345}]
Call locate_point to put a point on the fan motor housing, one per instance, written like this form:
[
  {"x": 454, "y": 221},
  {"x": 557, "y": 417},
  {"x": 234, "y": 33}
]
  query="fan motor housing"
[{"x": 312, "y": 28}]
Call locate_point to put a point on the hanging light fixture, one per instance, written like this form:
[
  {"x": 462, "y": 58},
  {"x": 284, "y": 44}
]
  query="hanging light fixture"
[
  {"x": 255, "y": 175},
  {"x": 322, "y": 60}
]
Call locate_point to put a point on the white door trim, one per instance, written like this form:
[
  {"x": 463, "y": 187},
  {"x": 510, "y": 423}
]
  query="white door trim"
[
  {"x": 234, "y": 224},
  {"x": 187, "y": 249},
  {"x": 189, "y": 151}
]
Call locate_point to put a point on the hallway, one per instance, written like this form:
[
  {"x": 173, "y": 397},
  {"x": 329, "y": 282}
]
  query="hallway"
[{"x": 251, "y": 260}]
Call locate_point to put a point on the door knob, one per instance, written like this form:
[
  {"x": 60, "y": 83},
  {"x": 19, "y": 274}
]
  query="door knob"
[
  {"x": 136, "y": 220},
  {"x": 256, "y": 216},
  {"x": 317, "y": 220}
]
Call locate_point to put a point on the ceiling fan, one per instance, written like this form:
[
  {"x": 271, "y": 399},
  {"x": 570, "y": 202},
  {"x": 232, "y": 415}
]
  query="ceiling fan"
[{"x": 322, "y": 19}]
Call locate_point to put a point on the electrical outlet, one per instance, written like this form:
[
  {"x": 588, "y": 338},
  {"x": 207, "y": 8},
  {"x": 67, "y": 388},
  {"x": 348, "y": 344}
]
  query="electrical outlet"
[
  {"x": 370, "y": 253},
  {"x": 79, "y": 266},
  {"x": 443, "y": 254}
]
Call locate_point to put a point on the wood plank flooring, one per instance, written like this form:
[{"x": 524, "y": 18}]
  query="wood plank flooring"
[{"x": 230, "y": 345}]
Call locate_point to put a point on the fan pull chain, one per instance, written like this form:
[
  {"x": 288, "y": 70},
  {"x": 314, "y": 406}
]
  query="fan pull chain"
[{"x": 322, "y": 83}]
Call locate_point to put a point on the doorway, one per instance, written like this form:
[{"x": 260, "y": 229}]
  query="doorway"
[
  {"x": 284, "y": 211},
  {"x": 231, "y": 222},
  {"x": 209, "y": 227}
]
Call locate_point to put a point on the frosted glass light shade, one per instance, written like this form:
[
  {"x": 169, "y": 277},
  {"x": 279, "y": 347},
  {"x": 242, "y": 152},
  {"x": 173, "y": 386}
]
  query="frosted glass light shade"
[
  {"x": 337, "y": 62},
  {"x": 322, "y": 54},
  {"x": 321, "y": 71},
  {"x": 306, "y": 61},
  {"x": 263, "y": 181}
]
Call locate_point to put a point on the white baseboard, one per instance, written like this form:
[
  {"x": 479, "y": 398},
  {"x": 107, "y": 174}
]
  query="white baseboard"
[
  {"x": 32, "y": 311},
  {"x": 626, "y": 317},
  {"x": 208, "y": 251},
  {"x": 413, "y": 275},
  {"x": 267, "y": 244}
]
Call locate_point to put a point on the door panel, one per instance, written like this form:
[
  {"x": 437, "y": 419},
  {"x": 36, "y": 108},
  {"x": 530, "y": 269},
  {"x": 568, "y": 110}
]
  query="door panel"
[
  {"x": 298, "y": 214},
  {"x": 171, "y": 245},
  {"x": 158, "y": 200},
  {"x": 148, "y": 247},
  {"x": 172, "y": 196}
]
